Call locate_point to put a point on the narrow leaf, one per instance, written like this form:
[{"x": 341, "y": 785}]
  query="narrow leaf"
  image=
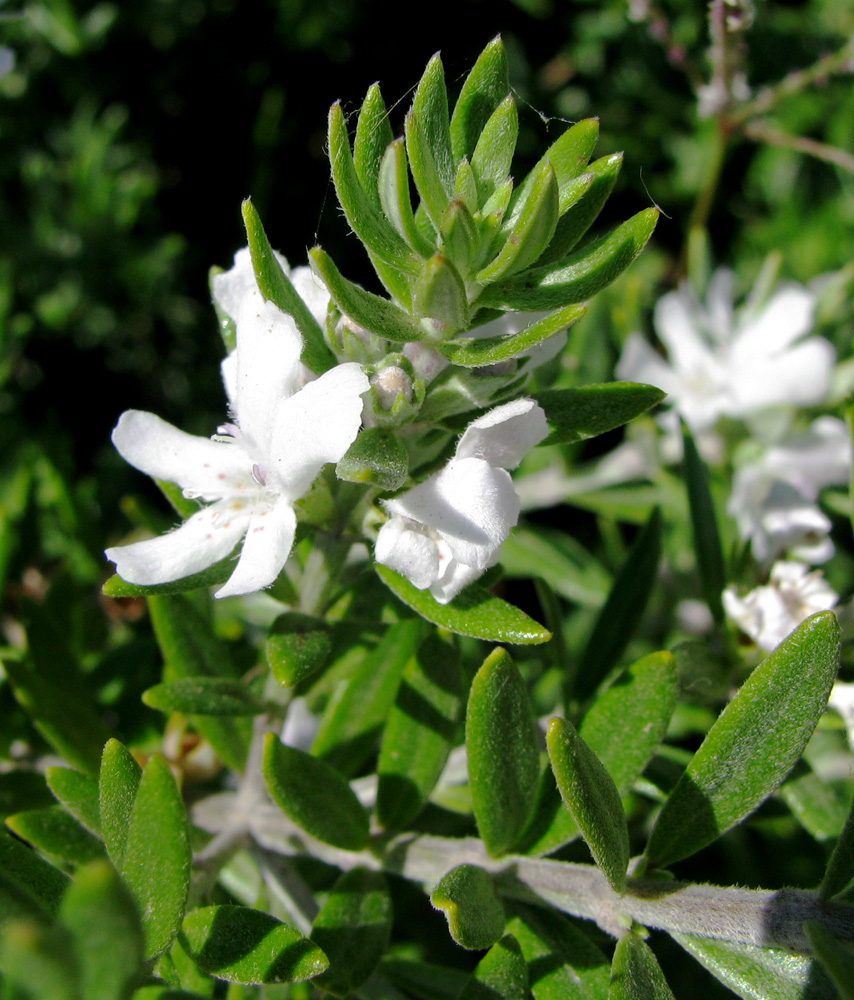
[
  {"x": 623, "y": 610},
  {"x": 56, "y": 833},
  {"x": 353, "y": 929},
  {"x": 30, "y": 887},
  {"x": 314, "y": 796},
  {"x": 474, "y": 352},
  {"x": 473, "y": 612},
  {"x": 203, "y": 696},
  {"x": 440, "y": 295},
  {"x": 460, "y": 236},
  {"x": 242, "y": 945},
  {"x": 157, "y": 856},
  {"x": 297, "y": 646},
  {"x": 834, "y": 956},
  {"x": 753, "y": 745},
  {"x": 276, "y": 287},
  {"x": 635, "y": 972},
  {"x": 426, "y": 172},
  {"x": 503, "y": 781},
  {"x": 119, "y": 784},
  {"x": 421, "y": 731},
  {"x": 496, "y": 145},
  {"x": 376, "y": 314},
  {"x": 395, "y": 198},
  {"x": 486, "y": 86},
  {"x": 430, "y": 107},
  {"x": 376, "y": 458},
  {"x": 78, "y": 793},
  {"x": 592, "y": 798},
  {"x": 474, "y": 912},
  {"x": 839, "y": 873},
  {"x": 500, "y": 975},
  {"x": 373, "y": 135},
  {"x": 587, "y": 410},
  {"x": 580, "y": 276},
  {"x": 707, "y": 540}
]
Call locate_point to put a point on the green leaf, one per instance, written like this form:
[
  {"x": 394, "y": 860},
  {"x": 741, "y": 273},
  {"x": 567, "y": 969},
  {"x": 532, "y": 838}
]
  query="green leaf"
[
  {"x": 834, "y": 956},
  {"x": 21, "y": 790},
  {"x": 373, "y": 135},
  {"x": 580, "y": 276},
  {"x": 38, "y": 963},
  {"x": 473, "y": 612},
  {"x": 276, "y": 287},
  {"x": 839, "y": 873},
  {"x": 460, "y": 235},
  {"x": 500, "y": 975},
  {"x": 30, "y": 887},
  {"x": 639, "y": 706},
  {"x": 752, "y": 972},
  {"x": 377, "y": 458},
  {"x": 440, "y": 295},
  {"x": 119, "y": 784},
  {"x": 486, "y": 86},
  {"x": 210, "y": 577},
  {"x": 430, "y": 107},
  {"x": 191, "y": 650},
  {"x": 78, "y": 793},
  {"x": 474, "y": 352},
  {"x": 503, "y": 784},
  {"x": 395, "y": 198},
  {"x": 753, "y": 745},
  {"x": 56, "y": 833},
  {"x": 242, "y": 945},
  {"x": 100, "y": 914},
  {"x": 819, "y": 804},
  {"x": 421, "y": 730},
  {"x": 707, "y": 541},
  {"x": 157, "y": 856},
  {"x": 531, "y": 232},
  {"x": 493, "y": 155},
  {"x": 297, "y": 646},
  {"x": 314, "y": 796},
  {"x": 592, "y": 797},
  {"x": 471, "y": 906},
  {"x": 372, "y": 312},
  {"x": 623, "y": 610},
  {"x": 424, "y": 979},
  {"x": 563, "y": 963},
  {"x": 391, "y": 257},
  {"x": 635, "y": 972},
  {"x": 353, "y": 929},
  {"x": 585, "y": 411},
  {"x": 352, "y": 724},
  {"x": 203, "y": 696}
]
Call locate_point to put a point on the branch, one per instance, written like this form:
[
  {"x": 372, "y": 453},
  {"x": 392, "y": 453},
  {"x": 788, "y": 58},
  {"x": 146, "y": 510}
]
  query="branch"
[{"x": 801, "y": 144}]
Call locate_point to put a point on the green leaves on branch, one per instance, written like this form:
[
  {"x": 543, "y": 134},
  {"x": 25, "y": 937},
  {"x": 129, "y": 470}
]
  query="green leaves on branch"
[
  {"x": 473, "y": 910},
  {"x": 585, "y": 411}
]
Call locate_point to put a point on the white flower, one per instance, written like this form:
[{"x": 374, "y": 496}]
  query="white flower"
[
  {"x": 446, "y": 531},
  {"x": 769, "y": 614},
  {"x": 773, "y": 499},
  {"x": 255, "y": 469},
  {"x": 723, "y": 363}
]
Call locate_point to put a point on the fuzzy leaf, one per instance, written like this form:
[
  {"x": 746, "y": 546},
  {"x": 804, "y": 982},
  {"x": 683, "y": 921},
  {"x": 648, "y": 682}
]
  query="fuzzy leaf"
[
  {"x": 473, "y": 612},
  {"x": 430, "y": 107},
  {"x": 395, "y": 198},
  {"x": 440, "y": 295},
  {"x": 119, "y": 784},
  {"x": 839, "y": 873},
  {"x": 314, "y": 796},
  {"x": 460, "y": 236},
  {"x": 371, "y": 311},
  {"x": 242, "y": 945},
  {"x": 635, "y": 972},
  {"x": 56, "y": 833},
  {"x": 353, "y": 929},
  {"x": 30, "y": 888},
  {"x": 496, "y": 145},
  {"x": 592, "y": 797},
  {"x": 377, "y": 458},
  {"x": 753, "y": 745},
  {"x": 203, "y": 696},
  {"x": 580, "y": 276},
  {"x": 503, "y": 752},
  {"x": 474, "y": 352},
  {"x": 474, "y": 912},
  {"x": 297, "y": 646},
  {"x": 500, "y": 975},
  {"x": 157, "y": 855},
  {"x": 373, "y": 135},
  {"x": 78, "y": 793},
  {"x": 834, "y": 956},
  {"x": 276, "y": 287},
  {"x": 486, "y": 86},
  {"x": 421, "y": 731},
  {"x": 707, "y": 540},
  {"x": 587, "y": 410}
]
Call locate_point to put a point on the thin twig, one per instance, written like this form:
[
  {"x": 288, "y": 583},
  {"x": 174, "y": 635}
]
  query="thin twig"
[{"x": 762, "y": 132}]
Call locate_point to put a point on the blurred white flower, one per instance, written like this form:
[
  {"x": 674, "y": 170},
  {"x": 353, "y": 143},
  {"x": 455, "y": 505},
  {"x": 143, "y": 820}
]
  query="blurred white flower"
[
  {"x": 769, "y": 614},
  {"x": 773, "y": 499},
  {"x": 723, "y": 363},
  {"x": 7, "y": 60},
  {"x": 258, "y": 465},
  {"x": 446, "y": 531}
]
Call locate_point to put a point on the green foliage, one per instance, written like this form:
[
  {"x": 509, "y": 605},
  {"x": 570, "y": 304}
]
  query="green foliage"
[{"x": 474, "y": 912}]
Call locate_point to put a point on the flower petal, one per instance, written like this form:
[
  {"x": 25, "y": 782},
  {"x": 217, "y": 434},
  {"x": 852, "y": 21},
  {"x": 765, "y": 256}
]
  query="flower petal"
[
  {"x": 268, "y": 350},
  {"x": 678, "y": 320},
  {"x": 315, "y": 426},
  {"x": 787, "y": 317},
  {"x": 199, "y": 542},
  {"x": 798, "y": 377},
  {"x": 200, "y": 466},
  {"x": 455, "y": 576},
  {"x": 312, "y": 291},
  {"x": 505, "y": 434},
  {"x": 268, "y": 543},
  {"x": 408, "y": 551},
  {"x": 231, "y": 287}
]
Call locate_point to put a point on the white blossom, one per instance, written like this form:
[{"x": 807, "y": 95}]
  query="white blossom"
[
  {"x": 728, "y": 363},
  {"x": 770, "y": 613},
  {"x": 257, "y": 466},
  {"x": 446, "y": 531},
  {"x": 773, "y": 498}
]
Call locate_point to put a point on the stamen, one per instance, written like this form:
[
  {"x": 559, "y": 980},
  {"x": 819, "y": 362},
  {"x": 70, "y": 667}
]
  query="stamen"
[{"x": 259, "y": 474}]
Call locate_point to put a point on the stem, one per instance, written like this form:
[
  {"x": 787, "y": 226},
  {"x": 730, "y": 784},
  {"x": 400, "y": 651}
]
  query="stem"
[{"x": 763, "y": 132}]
